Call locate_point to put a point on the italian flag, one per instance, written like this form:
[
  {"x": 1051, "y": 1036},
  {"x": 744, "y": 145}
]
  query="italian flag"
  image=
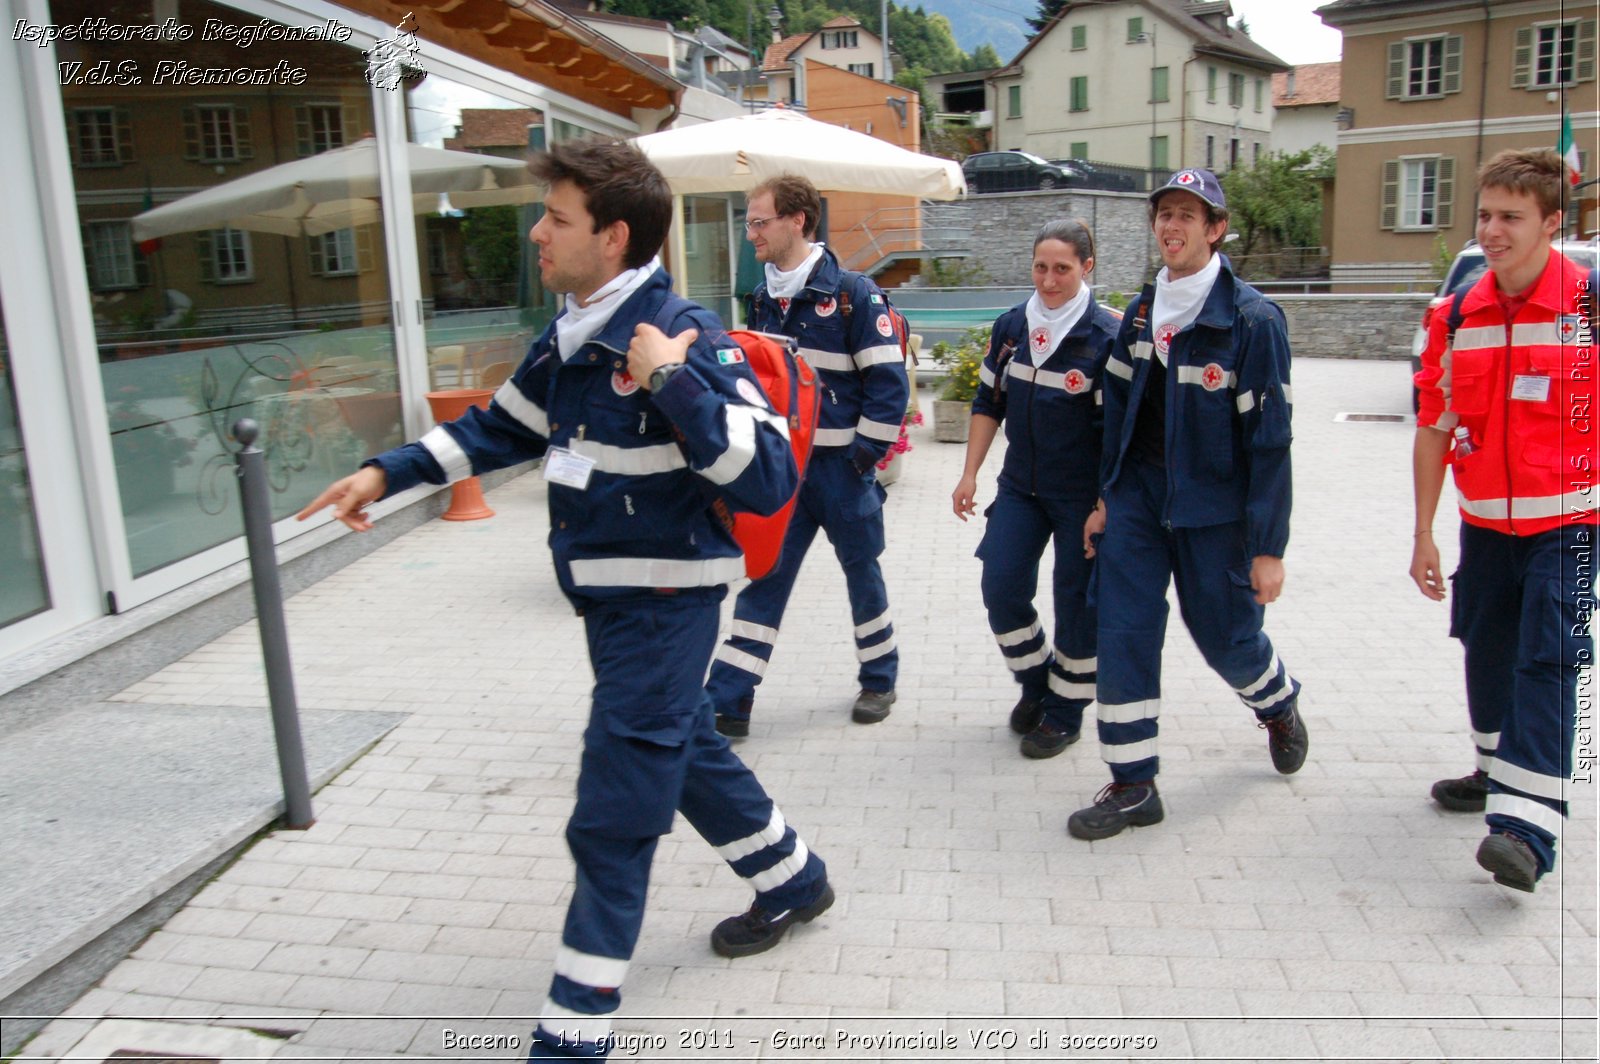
[{"x": 1567, "y": 148}]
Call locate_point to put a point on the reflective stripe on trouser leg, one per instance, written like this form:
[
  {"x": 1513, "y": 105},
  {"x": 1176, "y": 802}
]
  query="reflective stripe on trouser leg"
[
  {"x": 741, "y": 661},
  {"x": 1532, "y": 766},
  {"x": 1073, "y": 667},
  {"x": 1130, "y": 581},
  {"x": 1014, "y": 538},
  {"x": 1219, "y": 607},
  {"x": 726, "y": 804}
]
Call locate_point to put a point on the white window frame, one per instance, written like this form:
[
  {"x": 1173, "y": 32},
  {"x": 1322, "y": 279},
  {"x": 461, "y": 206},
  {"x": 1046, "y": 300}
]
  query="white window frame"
[
  {"x": 864, "y": 69},
  {"x": 112, "y": 266},
  {"x": 1409, "y": 204},
  {"x": 106, "y": 132},
  {"x": 320, "y": 138},
  {"x": 230, "y": 247},
  {"x": 213, "y": 123},
  {"x": 1411, "y": 67},
  {"x": 1542, "y": 74},
  {"x": 339, "y": 249}
]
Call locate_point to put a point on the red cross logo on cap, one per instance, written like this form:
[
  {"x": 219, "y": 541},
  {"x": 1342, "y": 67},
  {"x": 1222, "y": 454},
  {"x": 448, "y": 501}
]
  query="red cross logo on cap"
[
  {"x": 1187, "y": 178},
  {"x": 1039, "y": 338},
  {"x": 1076, "y": 382},
  {"x": 1211, "y": 377}
]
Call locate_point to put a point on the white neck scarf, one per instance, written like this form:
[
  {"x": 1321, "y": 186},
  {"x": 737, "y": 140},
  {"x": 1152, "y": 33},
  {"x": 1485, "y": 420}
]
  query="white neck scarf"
[
  {"x": 1047, "y": 328},
  {"x": 786, "y": 284},
  {"x": 1178, "y": 302},
  {"x": 581, "y": 323}
]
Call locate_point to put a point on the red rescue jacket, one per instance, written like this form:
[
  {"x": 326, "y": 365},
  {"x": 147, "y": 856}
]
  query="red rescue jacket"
[{"x": 1525, "y": 391}]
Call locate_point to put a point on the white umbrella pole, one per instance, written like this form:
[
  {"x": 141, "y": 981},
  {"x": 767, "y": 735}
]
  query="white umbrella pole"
[{"x": 677, "y": 252}]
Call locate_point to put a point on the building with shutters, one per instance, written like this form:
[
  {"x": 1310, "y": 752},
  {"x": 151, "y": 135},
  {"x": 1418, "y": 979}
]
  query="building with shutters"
[{"x": 1430, "y": 89}]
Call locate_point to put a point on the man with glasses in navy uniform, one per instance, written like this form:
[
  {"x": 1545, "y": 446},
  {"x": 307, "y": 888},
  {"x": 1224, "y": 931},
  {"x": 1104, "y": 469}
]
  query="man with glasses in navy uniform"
[{"x": 843, "y": 325}]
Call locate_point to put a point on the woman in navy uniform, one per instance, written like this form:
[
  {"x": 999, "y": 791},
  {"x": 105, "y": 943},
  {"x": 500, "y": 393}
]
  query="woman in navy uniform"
[{"x": 1041, "y": 378}]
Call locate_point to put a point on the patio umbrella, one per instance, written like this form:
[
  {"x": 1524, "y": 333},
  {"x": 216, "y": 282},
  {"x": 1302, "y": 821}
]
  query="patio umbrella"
[
  {"x": 735, "y": 154},
  {"x": 338, "y": 189}
]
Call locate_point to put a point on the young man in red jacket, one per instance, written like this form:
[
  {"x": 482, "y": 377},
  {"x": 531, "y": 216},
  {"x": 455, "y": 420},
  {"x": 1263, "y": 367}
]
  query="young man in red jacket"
[{"x": 1507, "y": 401}]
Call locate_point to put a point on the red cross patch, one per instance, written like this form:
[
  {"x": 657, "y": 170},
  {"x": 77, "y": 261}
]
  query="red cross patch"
[
  {"x": 1039, "y": 340},
  {"x": 783, "y": 304},
  {"x": 1164, "y": 335},
  {"x": 1567, "y": 328},
  {"x": 1076, "y": 383},
  {"x": 1211, "y": 377},
  {"x": 623, "y": 383},
  {"x": 825, "y": 306}
]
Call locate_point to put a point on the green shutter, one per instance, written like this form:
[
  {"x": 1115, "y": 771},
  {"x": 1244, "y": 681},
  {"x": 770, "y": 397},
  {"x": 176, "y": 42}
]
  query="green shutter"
[
  {"x": 1445, "y": 193},
  {"x": 1390, "y": 200},
  {"x": 1080, "y": 38},
  {"x": 1452, "y": 63},
  {"x": 364, "y": 249},
  {"x": 202, "y": 244},
  {"x": 124, "y": 135},
  {"x": 302, "y": 131},
  {"x": 1078, "y": 149},
  {"x": 1522, "y": 58},
  {"x": 1135, "y": 27},
  {"x": 1397, "y": 71},
  {"x": 1014, "y": 101},
  {"x": 314, "y": 249},
  {"x": 1583, "y": 61},
  {"x": 191, "y": 134},
  {"x": 241, "y": 134},
  {"x": 1211, "y": 84}
]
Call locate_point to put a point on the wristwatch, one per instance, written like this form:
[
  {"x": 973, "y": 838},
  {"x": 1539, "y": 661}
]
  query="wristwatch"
[{"x": 660, "y": 375}]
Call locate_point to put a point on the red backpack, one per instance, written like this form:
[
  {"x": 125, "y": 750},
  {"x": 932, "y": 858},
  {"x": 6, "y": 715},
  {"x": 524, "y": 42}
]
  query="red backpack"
[{"x": 791, "y": 387}]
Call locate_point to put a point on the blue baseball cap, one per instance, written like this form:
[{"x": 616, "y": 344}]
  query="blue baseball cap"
[{"x": 1196, "y": 182}]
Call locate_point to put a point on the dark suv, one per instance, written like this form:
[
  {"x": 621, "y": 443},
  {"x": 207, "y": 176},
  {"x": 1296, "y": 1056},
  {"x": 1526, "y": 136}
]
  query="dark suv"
[{"x": 1011, "y": 171}]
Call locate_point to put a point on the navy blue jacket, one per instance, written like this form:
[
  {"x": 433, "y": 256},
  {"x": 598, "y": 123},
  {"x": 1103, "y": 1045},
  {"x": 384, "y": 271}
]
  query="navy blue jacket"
[
  {"x": 1051, "y": 412},
  {"x": 645, "y": 521},
  {"x": 857, "y": 356},
  {"x": 1228, "y": 412}
]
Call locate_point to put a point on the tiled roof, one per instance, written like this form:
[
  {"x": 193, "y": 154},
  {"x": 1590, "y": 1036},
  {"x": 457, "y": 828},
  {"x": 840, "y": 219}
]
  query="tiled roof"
[
  {"x": 777, "y": 56},
  {"x": 842, "y": 22},
  {"x": 1314, "y": 83}
]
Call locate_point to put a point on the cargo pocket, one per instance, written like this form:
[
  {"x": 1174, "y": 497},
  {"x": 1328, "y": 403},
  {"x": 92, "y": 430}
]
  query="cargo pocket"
[{"x": 1562, "y": 634}]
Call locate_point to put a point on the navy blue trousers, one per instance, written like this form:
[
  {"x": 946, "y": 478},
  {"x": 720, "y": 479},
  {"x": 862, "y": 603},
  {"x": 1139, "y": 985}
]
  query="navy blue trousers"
[
  {"x": 1138, "y": 557},
  {"x": 651, "y": 749},
  {"x": 1521, "y": 610},
  {"x": 1061, "y": 673},
  {"x": 848, "y": 506}
]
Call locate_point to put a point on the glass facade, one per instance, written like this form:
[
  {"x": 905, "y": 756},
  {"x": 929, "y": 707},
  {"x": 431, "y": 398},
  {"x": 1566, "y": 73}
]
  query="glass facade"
[
  {"x": 223, "y": 315},
  {"x": 23, "y": 592}
]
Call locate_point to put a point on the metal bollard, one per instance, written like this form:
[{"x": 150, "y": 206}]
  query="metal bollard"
[{"x": 252, "y": 474}]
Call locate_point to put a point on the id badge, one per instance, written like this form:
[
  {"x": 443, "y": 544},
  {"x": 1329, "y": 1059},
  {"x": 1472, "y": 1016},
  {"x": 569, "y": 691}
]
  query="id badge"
[
  {"x": 1530, "y": 388},
  {"x": 567, "y": 468}
]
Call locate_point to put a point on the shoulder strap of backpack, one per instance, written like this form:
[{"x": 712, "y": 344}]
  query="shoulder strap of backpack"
[{"x": 1452, "y": 321}]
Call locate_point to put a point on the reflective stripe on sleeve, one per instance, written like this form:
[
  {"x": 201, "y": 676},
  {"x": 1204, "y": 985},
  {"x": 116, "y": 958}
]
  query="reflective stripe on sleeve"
[
  {"x": 759, "y": 632},
  {"x": 834, "y": 437},
  {"x": 837, "y": 361},
  {"x": 877, "y": 356},
  {"x": 1197, "y": 375},
  {"x": 878, "y": 430},
  {"x": 630, "y": 461},
  {"x": 1117, "y": 368},
  {"x": 448, "y": 453},
  {"x": 525, "y": 410}
]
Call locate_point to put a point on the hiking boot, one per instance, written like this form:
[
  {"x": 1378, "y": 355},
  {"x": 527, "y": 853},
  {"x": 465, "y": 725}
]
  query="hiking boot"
[
  {"x": 1047, "y": 740},
  {"x": 1026, "y": 715},
  {"x": 1118, "y": 806},
  {"x": 1469, "y": 794},
  {"x": 1287, "y": 739},
  {"x": 871, "y": 706},
  {"x": 1510, "y": 859},
  {"x": 736, "y": 725},
  {"x": 756, "y": 930}
]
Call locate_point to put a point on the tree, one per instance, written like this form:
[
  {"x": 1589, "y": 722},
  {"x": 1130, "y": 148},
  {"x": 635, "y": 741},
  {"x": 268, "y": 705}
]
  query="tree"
[
  {"x": 1048, "y": 10},
  {"x": 1277, "y": 203},
  {"x": 983, "y": 57}
]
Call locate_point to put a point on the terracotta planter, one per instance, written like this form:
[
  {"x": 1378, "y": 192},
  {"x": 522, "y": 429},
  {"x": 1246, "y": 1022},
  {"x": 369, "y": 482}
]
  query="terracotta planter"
[
  {"x": 951, "y": 418},
  {"x": 466, "y": 496}
]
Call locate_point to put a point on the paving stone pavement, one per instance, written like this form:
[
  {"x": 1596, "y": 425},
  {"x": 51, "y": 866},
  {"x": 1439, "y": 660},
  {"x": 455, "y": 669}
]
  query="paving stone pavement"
[{"x": 1335, "y": 914}]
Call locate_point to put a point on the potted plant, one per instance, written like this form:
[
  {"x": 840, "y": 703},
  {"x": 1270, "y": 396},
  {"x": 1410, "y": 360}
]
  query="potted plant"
[
  {"x": 952, "y": 408},
  {"x": 889, "y": 465}
]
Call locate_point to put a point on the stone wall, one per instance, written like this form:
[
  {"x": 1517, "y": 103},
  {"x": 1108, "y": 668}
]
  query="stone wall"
[
  {"x": 1364, "y": 326},
  {"x": 1003, "y": 225},
  {"x": 1320, "y": 326}
]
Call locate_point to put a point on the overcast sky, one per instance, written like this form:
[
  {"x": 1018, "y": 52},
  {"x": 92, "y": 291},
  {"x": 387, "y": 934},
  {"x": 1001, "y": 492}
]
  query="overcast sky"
[{"x": 1289, "y": 30}]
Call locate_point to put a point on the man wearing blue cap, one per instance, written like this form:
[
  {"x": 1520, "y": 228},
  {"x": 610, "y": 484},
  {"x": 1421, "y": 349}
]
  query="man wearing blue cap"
[{"x": 1195, "y": 489}]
